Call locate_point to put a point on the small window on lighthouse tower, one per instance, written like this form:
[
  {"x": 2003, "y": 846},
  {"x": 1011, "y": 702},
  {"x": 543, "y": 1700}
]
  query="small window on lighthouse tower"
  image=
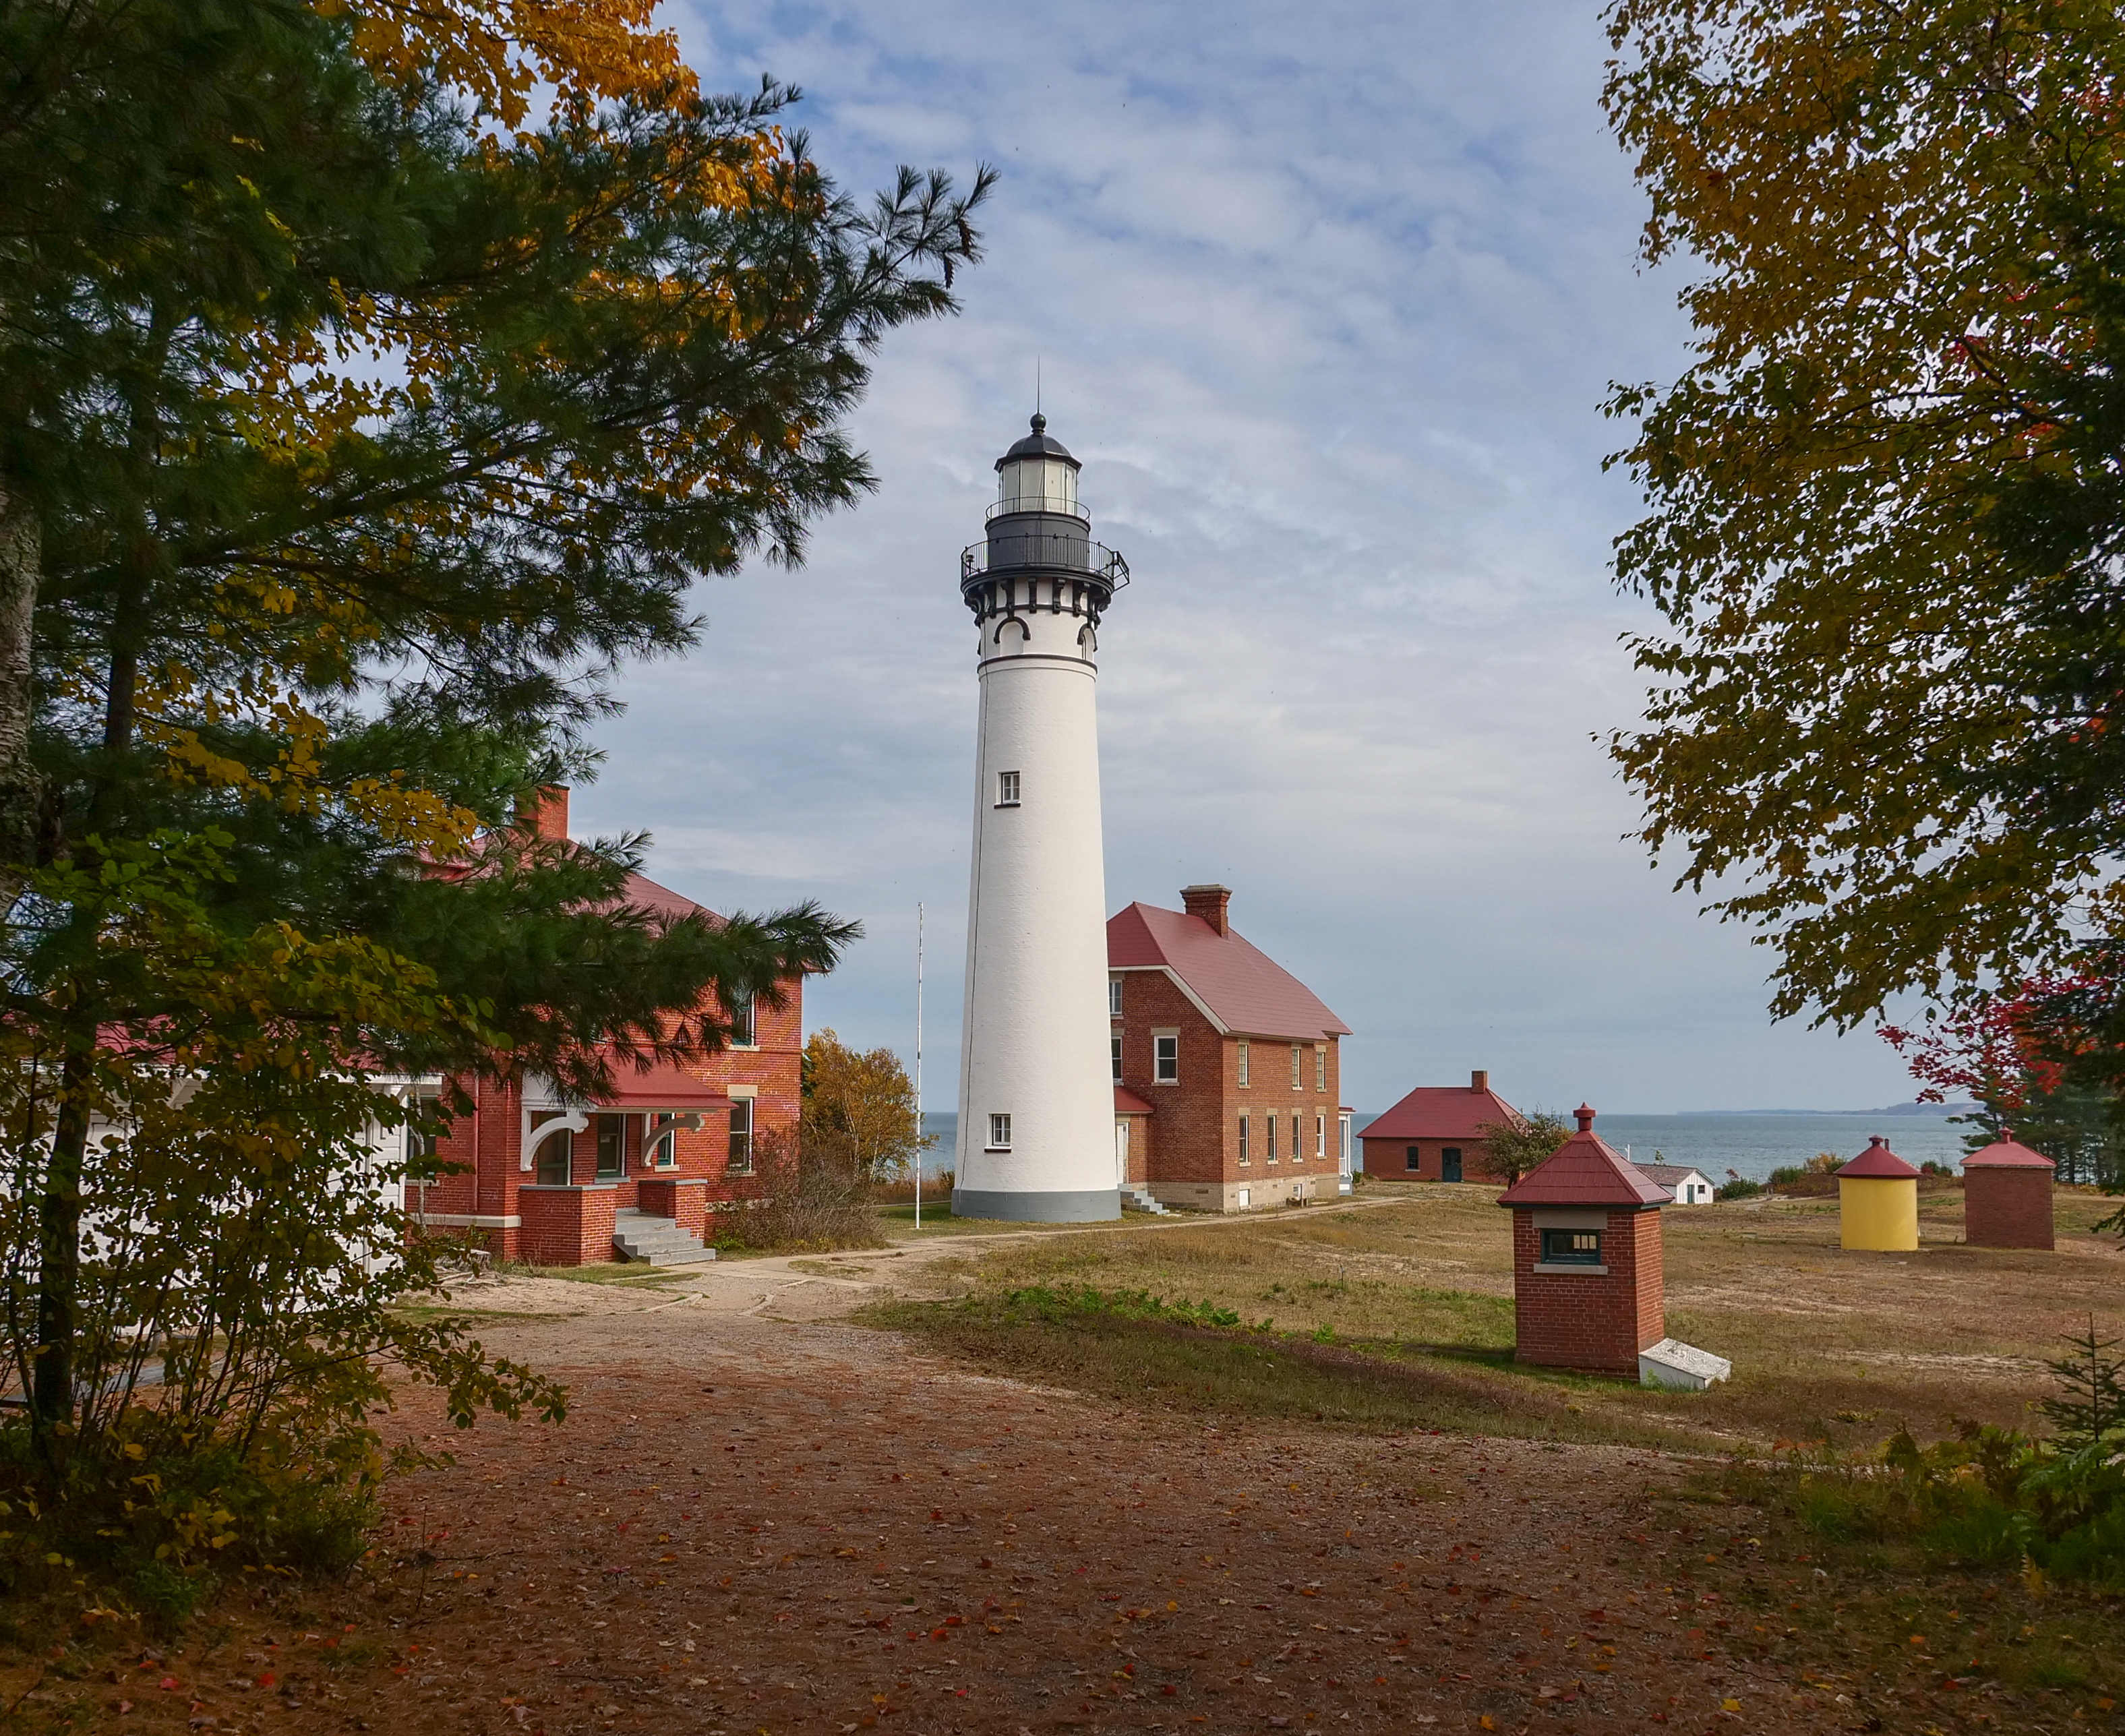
[
  {"x": 1007, "y": 790},
  {"x": 999, "y": 1133}
]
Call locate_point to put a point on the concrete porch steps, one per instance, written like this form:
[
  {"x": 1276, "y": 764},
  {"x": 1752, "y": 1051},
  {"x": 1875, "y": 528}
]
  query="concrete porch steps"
[
  {"x": 1137, "y": 1199},
  {"x": 639, "y": 1236}
]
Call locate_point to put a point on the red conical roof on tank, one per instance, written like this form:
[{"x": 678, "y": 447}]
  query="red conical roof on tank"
[
  {"x": 2007, "y": 1152},
  {"x": 1878, "y": 1163},
  {"x": 1585, "y": 1171}
]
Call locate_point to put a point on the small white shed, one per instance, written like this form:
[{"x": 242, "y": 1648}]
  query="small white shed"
[{"x": 1684, "y": 1185}]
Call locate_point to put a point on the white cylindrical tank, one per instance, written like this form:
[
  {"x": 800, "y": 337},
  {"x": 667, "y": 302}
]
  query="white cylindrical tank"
[{"x": 1036, "y": 1085}]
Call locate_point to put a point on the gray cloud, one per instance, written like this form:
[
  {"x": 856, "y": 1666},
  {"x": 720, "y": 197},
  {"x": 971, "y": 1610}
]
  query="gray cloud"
[{"x": 1326, "y": 298}]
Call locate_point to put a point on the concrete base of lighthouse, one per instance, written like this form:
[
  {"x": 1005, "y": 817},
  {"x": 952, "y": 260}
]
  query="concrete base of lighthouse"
[{"x": 1092, "y": 1205}]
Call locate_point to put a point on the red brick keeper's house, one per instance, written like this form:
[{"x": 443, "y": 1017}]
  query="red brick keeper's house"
[
  {"x": 1226, "y": 1065},
  {"x": 554, "y": 1182}
]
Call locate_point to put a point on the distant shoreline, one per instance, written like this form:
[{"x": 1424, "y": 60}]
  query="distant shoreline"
[{"x": 1893, "y": 1109}]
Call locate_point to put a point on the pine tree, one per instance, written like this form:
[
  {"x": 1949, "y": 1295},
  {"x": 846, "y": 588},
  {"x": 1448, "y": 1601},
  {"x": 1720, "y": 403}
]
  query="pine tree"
[
  {"x": 357, "y": 423},
  {"x": 2092, "y": 1404}
]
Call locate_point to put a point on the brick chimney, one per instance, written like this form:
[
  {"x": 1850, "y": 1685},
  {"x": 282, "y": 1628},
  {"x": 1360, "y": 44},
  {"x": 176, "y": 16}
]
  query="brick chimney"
[
  {"x": 1209, "y": 903},
  {"x": 1479, "y": 1080},
  {"x": 545, "y": 814}
]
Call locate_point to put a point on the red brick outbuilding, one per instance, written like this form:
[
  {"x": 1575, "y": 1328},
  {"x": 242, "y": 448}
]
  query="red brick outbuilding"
[
  {"x": 1587, "y": 1287},
  {"x": 2007, "y": 1195},
  {"x": 1435, "y": 1133}
]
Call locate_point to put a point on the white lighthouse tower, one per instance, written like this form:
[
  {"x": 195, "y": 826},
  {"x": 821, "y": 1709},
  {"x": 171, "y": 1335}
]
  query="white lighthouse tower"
[{"x": 1036, "y": 1083}]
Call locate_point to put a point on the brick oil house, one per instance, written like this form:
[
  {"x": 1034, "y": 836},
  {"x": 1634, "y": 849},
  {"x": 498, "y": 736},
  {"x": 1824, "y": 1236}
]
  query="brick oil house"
[
  {"x": 554, "y": 1182},
  {"x": 1226, "y": 1065},
  {"x": 1435, "y": 1133},
  {"x": 1588, "y": 1288}
]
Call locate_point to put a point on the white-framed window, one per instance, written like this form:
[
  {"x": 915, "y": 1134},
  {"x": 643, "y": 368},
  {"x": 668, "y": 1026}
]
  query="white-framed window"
[
  {"x": 1114, "y": 1043},
  {"x": 1297, "y": 1150},
  {"x": 1007, "y": 790},
  {"x": 1320, "y": 1066},
  {"x": 741, "y": 1136},
  {"x": 660, "y": 1143},
  {"x": 744, "y": 1028},
  {"x": 1246, "y": 1157},
  {"x": 1243, "y": 1064},
  {"x": 999, "y": 1133},
  {"x": 1294, "y": 1067},
  {"x": 1269, "y": 1139},
  {"x": 1320, "y": 1136},
  {"x": 1114, "y": 997},
  {"x": 1166, "y": 1057}
]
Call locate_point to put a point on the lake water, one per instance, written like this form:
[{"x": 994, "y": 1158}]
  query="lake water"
[{"x": 1749, "y": 1145}]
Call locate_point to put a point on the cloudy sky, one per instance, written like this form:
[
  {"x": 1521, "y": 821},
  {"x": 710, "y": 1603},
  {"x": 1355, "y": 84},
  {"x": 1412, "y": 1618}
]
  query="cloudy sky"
[{"x": 1325, "y": 297}]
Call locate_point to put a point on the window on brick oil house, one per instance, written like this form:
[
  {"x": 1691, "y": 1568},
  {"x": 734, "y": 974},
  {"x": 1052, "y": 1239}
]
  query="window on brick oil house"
[
  {"x": 999, "y": 1133},
  {"x": 612, "y": 1147},
  {"x": 1243, "y": 1064},
  {"x": 741, "y": 1136},
  {"x": 1114, "y": 1044},
  {"x": 1166, "y": 1058},
  {"x": 1571, "y": 1248},
  {"x": 745, "y": 1032}
]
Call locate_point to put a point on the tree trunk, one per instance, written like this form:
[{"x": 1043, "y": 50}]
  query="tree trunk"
[
  {"x": 59, "y": 1262},
  {"x": 20, "y": 786},
  {"x": 59, "y": 1209}
]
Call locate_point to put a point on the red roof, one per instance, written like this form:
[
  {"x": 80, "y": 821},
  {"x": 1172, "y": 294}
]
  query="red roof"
[
  {"x": 662, "y": 1087},
  {"x": 1127, "y": 1103},
  {"x": 2007, "y": 1152},
  {"x": 1585, "y": 1171},
  {"x": 1877, "y": 1161},
  {"x": 1442, "y": 1112},
  {"x": 646, "y": 894},
  {"x": 1239, "y": 987}
]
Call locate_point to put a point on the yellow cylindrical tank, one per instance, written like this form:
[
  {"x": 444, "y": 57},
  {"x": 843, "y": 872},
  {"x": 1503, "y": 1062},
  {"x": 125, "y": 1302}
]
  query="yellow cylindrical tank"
[{"x": 1877, "y": 1201}]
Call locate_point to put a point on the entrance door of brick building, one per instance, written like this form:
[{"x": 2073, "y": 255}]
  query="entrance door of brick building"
[{"x": 1449, "y": 1163}]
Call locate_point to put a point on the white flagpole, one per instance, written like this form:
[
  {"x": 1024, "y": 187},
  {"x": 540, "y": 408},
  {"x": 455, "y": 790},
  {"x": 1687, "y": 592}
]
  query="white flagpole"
[{"x": 918, "y": 1066}]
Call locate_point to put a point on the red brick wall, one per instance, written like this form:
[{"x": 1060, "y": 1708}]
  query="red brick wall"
[
  {"x": 2007, "y": 1208},
  {"x": 568, "y": 1226},
  {"x": 1195, "y": 1123},
  {"x": 1389, "y": 1158},
  {"x": 685, "y": 1203},
  {"x": 1597, "y": 1322}
]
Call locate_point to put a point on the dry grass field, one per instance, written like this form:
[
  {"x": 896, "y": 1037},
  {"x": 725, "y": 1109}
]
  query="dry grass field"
[{"x": 1827, "y": 1345}]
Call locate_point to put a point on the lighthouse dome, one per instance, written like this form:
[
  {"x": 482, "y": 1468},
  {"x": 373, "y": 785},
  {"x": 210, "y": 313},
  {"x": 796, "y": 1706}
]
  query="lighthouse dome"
[{"x": 1038, "y": 475}]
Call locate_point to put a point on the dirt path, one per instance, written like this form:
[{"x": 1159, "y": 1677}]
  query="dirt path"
[{"x": 754, "y": 1523}]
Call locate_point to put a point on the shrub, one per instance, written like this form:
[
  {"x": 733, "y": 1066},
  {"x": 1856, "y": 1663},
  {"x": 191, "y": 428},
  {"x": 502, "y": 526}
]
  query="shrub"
[
  {"x": 1741, "y": 1187},
  {"x": 1993, "y": 1496},
  {"x": 808, "y": 1205}
]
